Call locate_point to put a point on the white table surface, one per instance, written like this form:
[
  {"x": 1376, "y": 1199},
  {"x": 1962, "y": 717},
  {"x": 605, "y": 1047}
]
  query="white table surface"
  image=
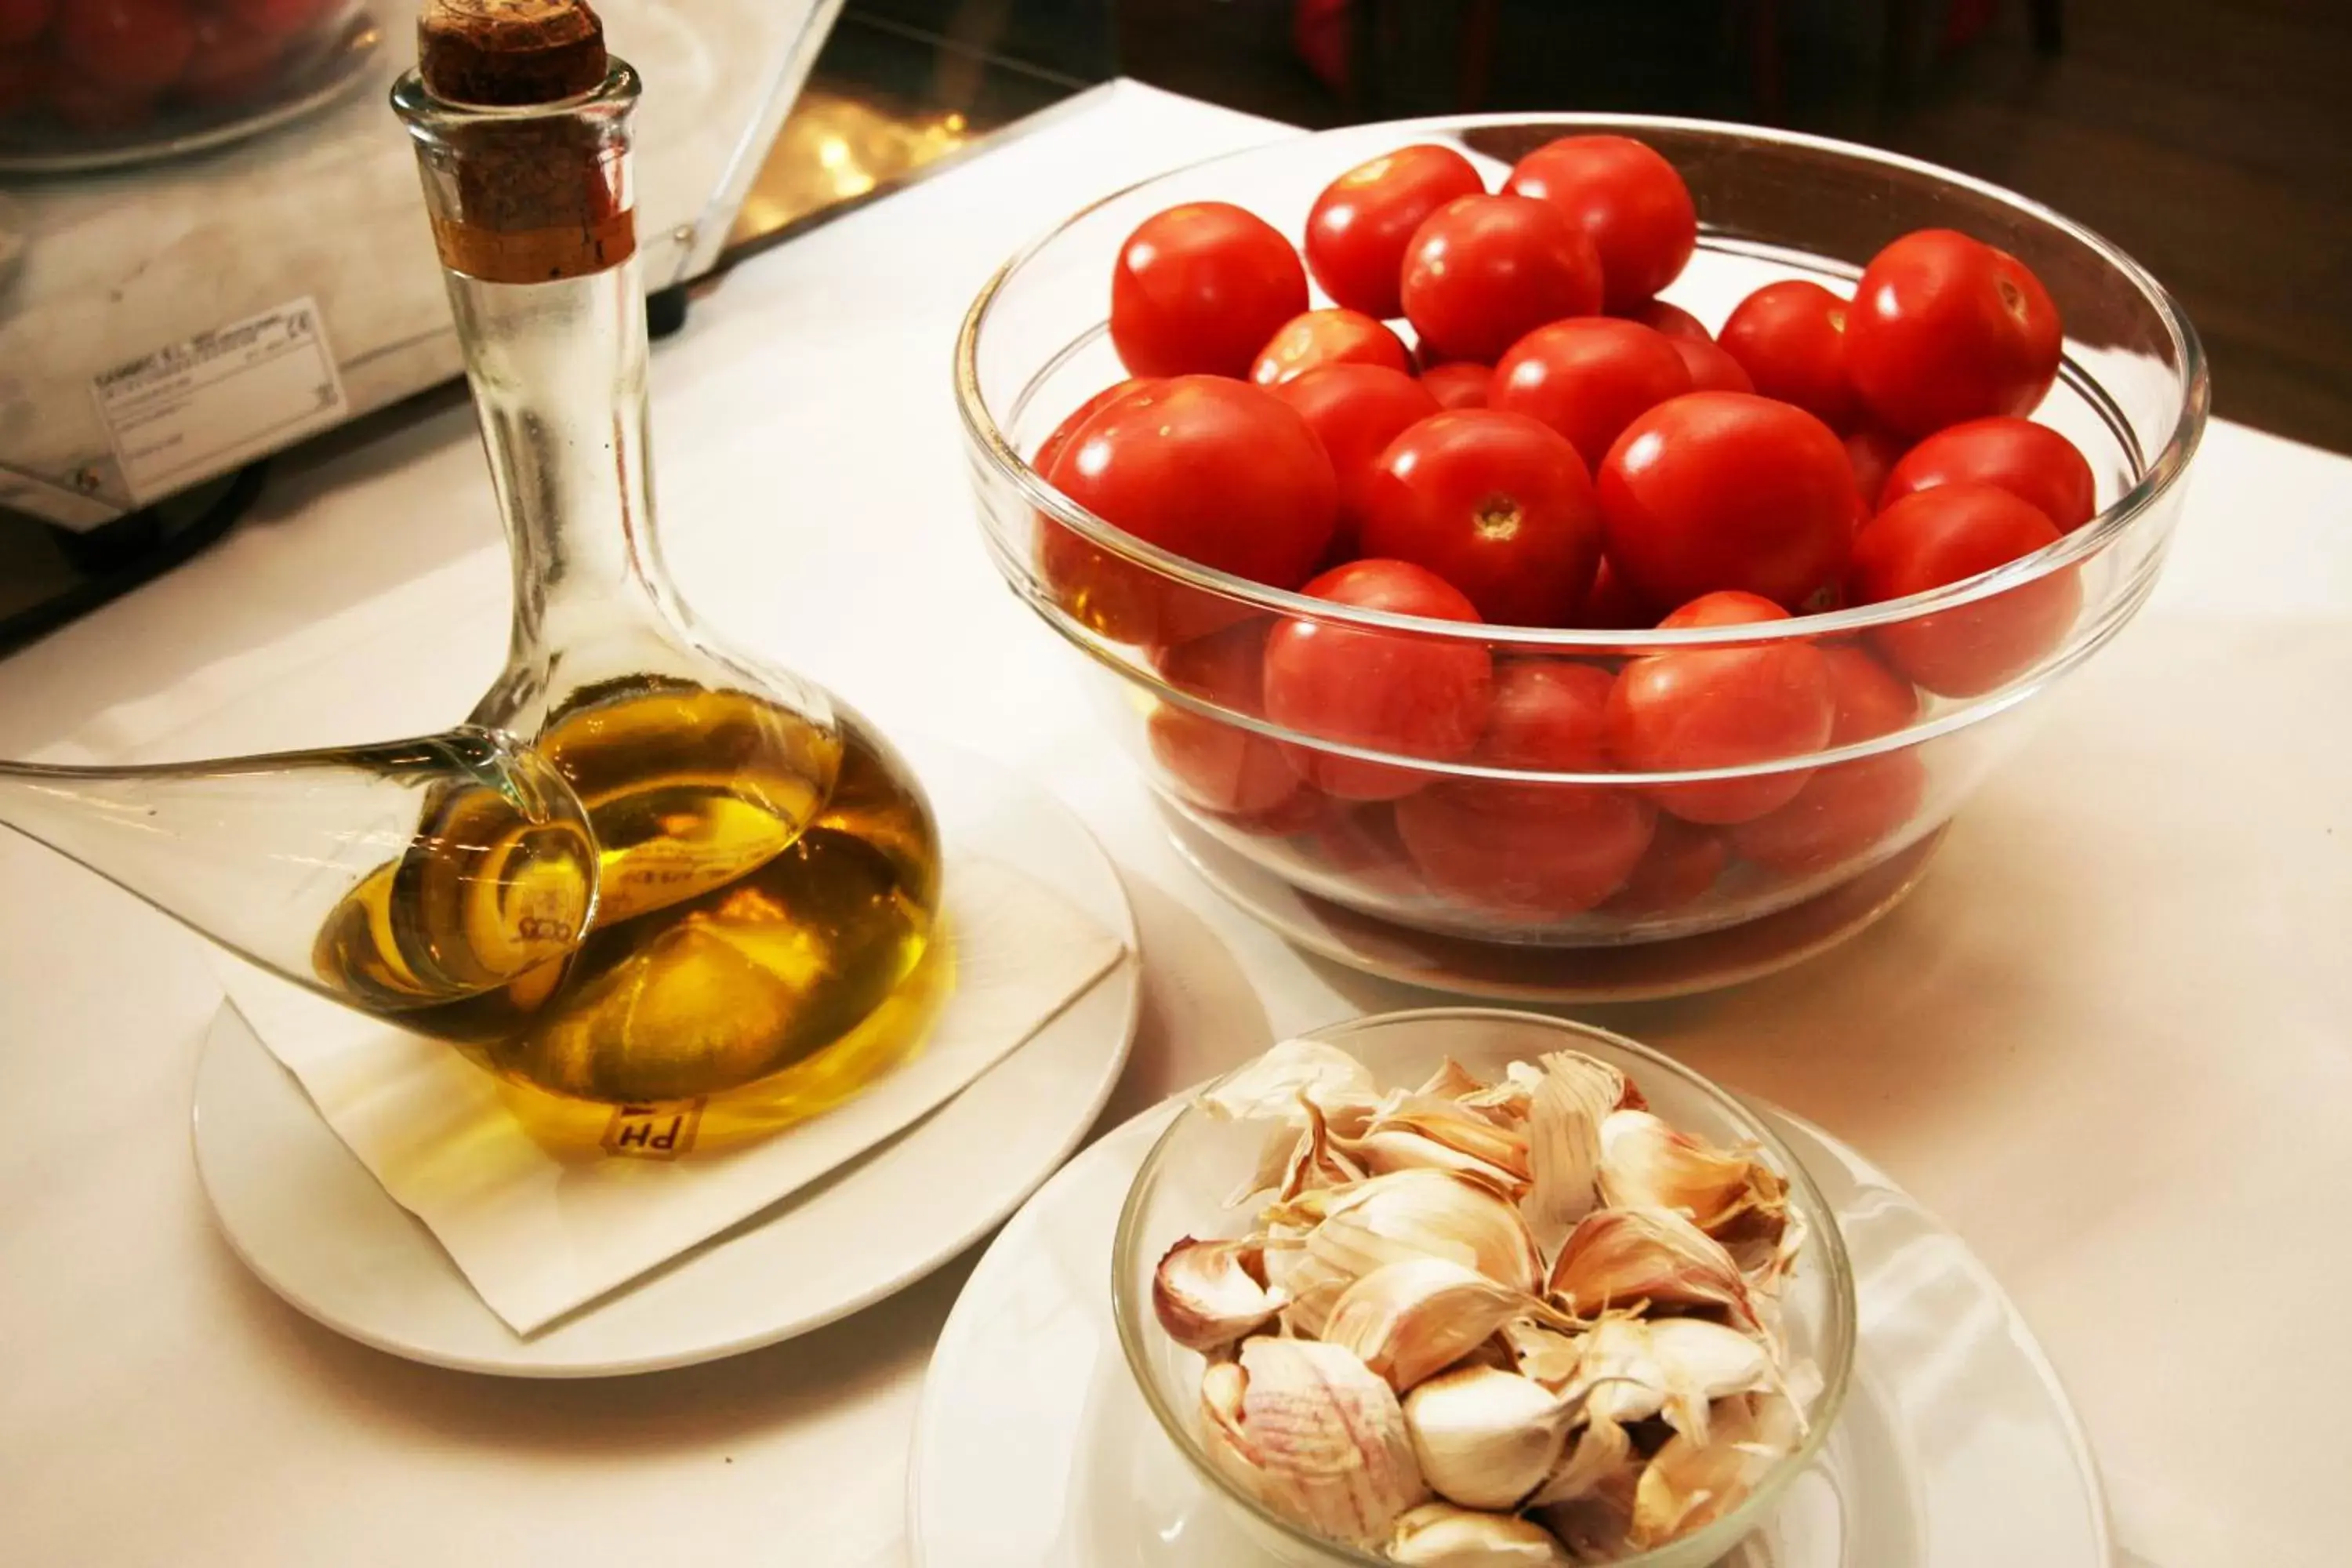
[{"x": 2107, "y": 1038}]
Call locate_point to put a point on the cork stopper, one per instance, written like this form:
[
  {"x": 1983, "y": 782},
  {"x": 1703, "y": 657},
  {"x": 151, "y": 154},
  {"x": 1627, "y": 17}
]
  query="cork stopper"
[
  {"x": 541, "y": 198},
  {"x": 510, "y": 53}
]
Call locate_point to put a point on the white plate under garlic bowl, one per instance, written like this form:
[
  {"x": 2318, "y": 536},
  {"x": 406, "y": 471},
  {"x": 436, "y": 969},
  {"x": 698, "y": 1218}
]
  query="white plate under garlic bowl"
[{"x": 1957, "y": 1447}]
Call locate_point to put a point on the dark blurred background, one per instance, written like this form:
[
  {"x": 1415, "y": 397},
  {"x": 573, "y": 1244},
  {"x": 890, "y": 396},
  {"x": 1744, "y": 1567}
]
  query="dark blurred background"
[{"x": 2212, "y": 139}]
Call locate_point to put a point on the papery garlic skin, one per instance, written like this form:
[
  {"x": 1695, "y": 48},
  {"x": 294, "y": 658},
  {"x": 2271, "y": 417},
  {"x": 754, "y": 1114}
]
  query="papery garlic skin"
[
  {"x": 1270, "y": 1085},
  {"x": 1209, "y": 1295},
  {"x": 1486, "y": 1438},
  {"x": 1419, "y": 1130},
  {"x": 1692, "y": 1482},
  {"x": 1440, "y": 1535},
  {"x": 1732, "y": 1196},
  {"x": 1407, "y": 1214},
  {"x": 1617, "y": 1257},
  {"x": 1567, "y": 1104},
  {"x": 1309, "y": 1431},
  {"x": 1409, "y": 1320}
]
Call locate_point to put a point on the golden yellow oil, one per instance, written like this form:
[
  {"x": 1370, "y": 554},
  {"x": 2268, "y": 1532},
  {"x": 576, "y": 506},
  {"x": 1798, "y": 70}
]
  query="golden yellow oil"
[{"x": 748, "y": 917}]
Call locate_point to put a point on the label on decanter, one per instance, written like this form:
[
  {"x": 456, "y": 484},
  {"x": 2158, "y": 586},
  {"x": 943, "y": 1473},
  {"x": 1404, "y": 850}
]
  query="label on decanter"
[
  {"x": 194, "y": 408},
  {"x": 653, "y": 1132}
]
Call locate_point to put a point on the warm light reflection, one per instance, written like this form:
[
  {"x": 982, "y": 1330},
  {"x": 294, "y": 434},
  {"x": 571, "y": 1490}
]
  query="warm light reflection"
[{"x": 834, "y": 147}]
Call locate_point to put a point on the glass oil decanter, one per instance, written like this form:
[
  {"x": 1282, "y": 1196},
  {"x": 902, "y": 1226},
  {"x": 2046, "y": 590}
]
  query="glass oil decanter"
[
  {"x": 647, "y": 868},
  {"x": 768, "y": 868}
]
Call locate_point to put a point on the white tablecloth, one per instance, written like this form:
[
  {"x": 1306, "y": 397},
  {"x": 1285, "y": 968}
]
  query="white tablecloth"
[{"x": 2107, "y": 1039}]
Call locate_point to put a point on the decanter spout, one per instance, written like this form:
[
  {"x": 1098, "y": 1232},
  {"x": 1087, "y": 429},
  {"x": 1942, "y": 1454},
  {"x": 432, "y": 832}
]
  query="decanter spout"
[{"x": 390, "y": 876}]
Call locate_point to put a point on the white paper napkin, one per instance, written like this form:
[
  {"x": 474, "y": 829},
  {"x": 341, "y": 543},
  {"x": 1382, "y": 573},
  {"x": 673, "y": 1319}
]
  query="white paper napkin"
[{"x": 538, "y": 1231}]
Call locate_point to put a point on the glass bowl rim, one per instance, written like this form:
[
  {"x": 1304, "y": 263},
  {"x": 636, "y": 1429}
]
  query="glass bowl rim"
[
  {"x": 1826, "y": 1244},
  {"x": 2162, "y": 472}
]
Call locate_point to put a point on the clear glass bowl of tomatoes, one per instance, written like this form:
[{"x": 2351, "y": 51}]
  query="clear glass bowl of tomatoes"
[
  {"x": 1569, "y": 530},
  {"x": 90, "y": 83}
]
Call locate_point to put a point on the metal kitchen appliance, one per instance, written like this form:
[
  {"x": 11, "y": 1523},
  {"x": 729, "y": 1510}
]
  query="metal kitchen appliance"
[{"x": 185, "y": 308}]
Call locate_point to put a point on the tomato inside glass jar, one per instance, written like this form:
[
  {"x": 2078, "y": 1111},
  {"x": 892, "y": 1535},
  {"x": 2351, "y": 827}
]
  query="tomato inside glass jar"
[
  {"x": 1543, "y": 850},
  {"x": 1403, "y": 693},
  {"x": 126, "y": 47},
  {"x": 1218, "y": 471}
]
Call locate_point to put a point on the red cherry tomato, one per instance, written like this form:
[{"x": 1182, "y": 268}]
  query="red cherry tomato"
[
  {"x": 1947, "y": 534},
  {"x": 1532, "y": 849},
  {"x": 1355, "y": 411},
  {"x": 1627, "y": 199},
  {"x": 280, "y": 19},
  {"x": 1728, "y": 608},
  {"x": 1305, "y": 811},
  {"x": 1215, "y": 765},
  {"x": 1871, "y": 699},
  {"x": 1722, "y": 707},
  {"x": 1790, "y": 337},
  {"x": 231, "y": 64},
  {"x": 1495, "y": 503},
  {"x": 1317, "y": 338},
  {"x": 1679, "y": 868},
  {"x": 22, "y": 21},
  {"x": 1724, "y": 490},
  {"x": 1483, "y": 271},
  {"x": 1671, "y": 321},
  {"x": 1848, "y": 808},
  {"x": 1587, "y": 379},
  {"x": 126, "y": 47},
  {"x": 1874, "y": 453},
  {"x": 1944, "y": 329},
  {"x": 2032, "y": 462},
  {"x": 1200, "y": 289},
  {"x": 1360, "y": 225},
  {"x": 1843, "y": 812},
  {"x": 24, "y": 83},
  {"x": 1388, "y": 691},
  {"x": 1458, "y": 385},
  {"x": 1051, "y": 446},
  {"x": 95, "y": 109},
  {"x": 1611, "y": 606},
  {"x": 1711, "y": 369},
  {"x": 1218, "y": 471}
]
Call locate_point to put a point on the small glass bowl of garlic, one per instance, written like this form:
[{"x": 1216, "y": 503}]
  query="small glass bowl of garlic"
[{"x": 1478, "y": 1288}]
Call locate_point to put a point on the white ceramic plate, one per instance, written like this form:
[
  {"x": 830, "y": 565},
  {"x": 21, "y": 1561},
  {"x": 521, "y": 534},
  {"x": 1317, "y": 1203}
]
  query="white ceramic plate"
[
  {"x": 1957, "y": 1447},
  {"x": 305, "y": 1215}
]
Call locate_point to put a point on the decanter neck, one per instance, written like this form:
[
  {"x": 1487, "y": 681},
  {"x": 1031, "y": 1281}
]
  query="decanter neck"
[
  {"x": 533, "y": 213},
  {"x": 558, "y": 371}
]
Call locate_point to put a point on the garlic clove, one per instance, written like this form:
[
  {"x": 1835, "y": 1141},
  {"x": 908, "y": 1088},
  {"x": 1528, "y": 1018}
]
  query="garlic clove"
[
  {"x": 1465, "y": 1133},
  {"x": 1418, "y": 1131},
  {"x": 1566, "y": 1108},
  {"x": 1691, "y": 1482},
  {"x": 1619, "y": 1374},
  {"x": 1415, "y": 1318},
  {"x": 1702, "y": 1363},
  {"x": 1729, "y": 1195},
  {"x": 1452, "y": 1080},
  {"x": 1440, "y": 1535},
  {"x": 1209, "y": 1294},
  {"x": 1621, "y": 1257},
  {"x": 1602, "y": 1450},
  {"x": 1307, "y": 1430},
  {"x": 1408, "y": 1214},
  {"x": 1270, "y": 1086},
  {"x": 1485, "y": 1438}
]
